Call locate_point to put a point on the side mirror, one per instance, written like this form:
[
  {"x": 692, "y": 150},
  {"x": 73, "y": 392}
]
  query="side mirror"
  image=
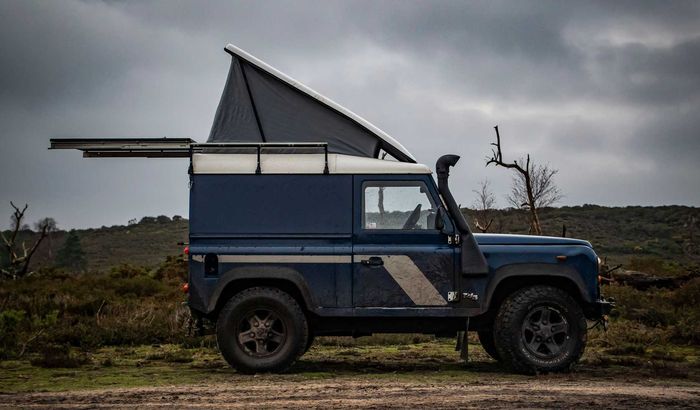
[{"x": 439, "y": 219}]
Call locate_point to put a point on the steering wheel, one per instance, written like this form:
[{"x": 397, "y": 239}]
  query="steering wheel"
[{"x": 413, "y": 218}]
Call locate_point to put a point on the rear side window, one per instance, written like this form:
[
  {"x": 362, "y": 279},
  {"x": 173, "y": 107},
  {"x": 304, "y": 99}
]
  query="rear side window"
[{"x": 397, "y": 205}]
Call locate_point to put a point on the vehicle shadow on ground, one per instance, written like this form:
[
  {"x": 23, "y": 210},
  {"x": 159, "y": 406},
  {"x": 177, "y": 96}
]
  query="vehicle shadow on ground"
[{"x": 387, "y": 367}]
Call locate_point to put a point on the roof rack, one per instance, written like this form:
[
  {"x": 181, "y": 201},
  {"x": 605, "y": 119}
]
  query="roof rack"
[
  {"x": 179, "y": 148},
  {"x": 281, "y": 147}
]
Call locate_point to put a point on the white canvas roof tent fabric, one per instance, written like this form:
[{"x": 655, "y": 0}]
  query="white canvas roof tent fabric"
[{"x": 262, "y": 104}]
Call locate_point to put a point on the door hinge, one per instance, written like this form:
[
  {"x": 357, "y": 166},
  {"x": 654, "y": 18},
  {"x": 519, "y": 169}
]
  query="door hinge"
[{"x": 453, "y": 296}]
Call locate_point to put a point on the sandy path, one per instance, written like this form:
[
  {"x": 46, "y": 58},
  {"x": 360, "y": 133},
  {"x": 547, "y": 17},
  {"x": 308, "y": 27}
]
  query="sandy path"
[{"x": 353, "y": 393}]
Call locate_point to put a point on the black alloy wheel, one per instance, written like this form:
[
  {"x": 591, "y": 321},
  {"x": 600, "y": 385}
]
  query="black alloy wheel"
[
  {"x": 261, "y": 333},
  {"x": 545, "y": 332},
  {"x": 261, "y": 330}
]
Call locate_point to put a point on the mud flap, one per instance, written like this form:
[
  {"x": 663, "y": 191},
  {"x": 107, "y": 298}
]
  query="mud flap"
[{"x": 463, "y": 343}]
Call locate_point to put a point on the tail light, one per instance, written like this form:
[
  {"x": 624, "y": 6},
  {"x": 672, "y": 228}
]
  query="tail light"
[
  {"x": 185, "y": 287},
  {"x": 187, "y": 250}
]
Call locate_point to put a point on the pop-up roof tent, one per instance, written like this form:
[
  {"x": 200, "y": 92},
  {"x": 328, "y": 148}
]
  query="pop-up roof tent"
[
  {"x": 261, "y": 104},
  {"x": 264, "y": 107}
]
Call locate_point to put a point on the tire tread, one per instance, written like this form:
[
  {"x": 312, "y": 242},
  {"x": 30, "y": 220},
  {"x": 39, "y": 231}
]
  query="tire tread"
[{"x": 506, "y": 335}]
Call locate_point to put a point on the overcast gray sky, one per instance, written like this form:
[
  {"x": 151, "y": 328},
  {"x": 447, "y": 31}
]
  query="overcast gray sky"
[{"x": 607, "y": 92}]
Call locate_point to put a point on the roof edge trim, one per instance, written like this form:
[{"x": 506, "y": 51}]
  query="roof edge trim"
[{"x": 216, "y": 163}]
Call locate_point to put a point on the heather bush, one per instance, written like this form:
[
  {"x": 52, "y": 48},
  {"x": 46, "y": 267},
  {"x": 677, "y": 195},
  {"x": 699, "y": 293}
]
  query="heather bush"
[{"x": 126, "y": 306}]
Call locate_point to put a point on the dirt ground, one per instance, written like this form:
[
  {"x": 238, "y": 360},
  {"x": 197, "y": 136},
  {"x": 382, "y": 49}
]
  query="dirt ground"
[
  {"x": 352, "y": 393},
  {"x": 419, "y": 375}
]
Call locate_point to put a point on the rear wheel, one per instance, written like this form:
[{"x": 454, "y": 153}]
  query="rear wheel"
[
  {"x": 540, "y": 329},
  {"x": 261, "y": 330},
  {"x": 487, "y": 342}
]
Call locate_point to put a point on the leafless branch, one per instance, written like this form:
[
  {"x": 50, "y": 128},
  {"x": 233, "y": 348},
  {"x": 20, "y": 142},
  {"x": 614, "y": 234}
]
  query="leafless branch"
[
  {"x": 533, "y": 186},
  {"x": 18, "y": 266},
  {"x": 481, "y": 227},
  {"x": 484, "y": 206}
]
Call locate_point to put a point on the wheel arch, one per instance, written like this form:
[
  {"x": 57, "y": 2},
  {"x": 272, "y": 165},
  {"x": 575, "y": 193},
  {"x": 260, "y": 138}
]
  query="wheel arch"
[
  {"x": 510, "y": 278},
  {"x": 241, "y": 278}
]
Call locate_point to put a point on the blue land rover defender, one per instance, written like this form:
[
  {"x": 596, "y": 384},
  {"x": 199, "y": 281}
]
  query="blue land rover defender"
[{"x": 291, "y": 238}]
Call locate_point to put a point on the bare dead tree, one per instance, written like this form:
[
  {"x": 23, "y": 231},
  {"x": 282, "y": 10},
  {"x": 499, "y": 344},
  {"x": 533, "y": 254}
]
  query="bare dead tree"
[
  {"x": 533, "y": 185},
  {"x": 18, "y": 259},
  {"x": 51, "y": 228},
  {"x": 544, "y": 191},
  {"x": 380, "y": 205},
  {"x": 484, "y": 206}
]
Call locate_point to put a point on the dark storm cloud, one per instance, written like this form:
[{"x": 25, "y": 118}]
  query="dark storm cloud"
[{"x": 608, "y": 92}]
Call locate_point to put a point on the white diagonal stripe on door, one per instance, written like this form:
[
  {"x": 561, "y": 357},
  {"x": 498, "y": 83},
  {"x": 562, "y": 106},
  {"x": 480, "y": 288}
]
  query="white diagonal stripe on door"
[{"x": 410, "y": 278}]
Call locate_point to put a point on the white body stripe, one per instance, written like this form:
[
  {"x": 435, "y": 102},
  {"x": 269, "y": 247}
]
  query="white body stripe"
[
  {"x": 410, "y": 279},
  {"x": 279, "y": 258},
  {"x": 401, "y": 268}
]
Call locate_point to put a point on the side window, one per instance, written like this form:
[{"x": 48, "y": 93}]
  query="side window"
[{"x": 402, "y": 205}]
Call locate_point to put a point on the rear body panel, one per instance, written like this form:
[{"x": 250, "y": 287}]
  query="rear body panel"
[{"x": 289, "y": 226}]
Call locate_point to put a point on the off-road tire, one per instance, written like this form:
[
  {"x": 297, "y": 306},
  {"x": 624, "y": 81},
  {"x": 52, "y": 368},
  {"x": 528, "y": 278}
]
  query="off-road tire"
[
  {"x": 511, "y": 337},
  {"x": 234, "y": 316},
  {"x": 488, "y": 343}
]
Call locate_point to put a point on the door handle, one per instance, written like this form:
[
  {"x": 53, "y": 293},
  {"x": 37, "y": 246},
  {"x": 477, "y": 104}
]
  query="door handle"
[{"x": 372, "y": 261}]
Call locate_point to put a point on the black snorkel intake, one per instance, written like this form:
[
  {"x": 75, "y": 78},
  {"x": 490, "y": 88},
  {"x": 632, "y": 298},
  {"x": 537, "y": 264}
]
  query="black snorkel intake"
[{"x": 473, "y": 260}]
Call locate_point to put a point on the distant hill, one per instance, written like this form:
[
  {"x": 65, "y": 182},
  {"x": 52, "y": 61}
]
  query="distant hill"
[
  {"x": 146, "y": 243},
  {"x": 619, "y": 233}
]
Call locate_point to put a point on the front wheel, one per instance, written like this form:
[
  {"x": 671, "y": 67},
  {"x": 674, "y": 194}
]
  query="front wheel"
[
  {"x": 261, "y": 330},
  {"x": 540, "y": 329}
]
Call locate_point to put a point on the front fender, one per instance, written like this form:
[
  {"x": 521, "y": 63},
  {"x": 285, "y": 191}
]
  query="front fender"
[{"x": 529, "y": 270}]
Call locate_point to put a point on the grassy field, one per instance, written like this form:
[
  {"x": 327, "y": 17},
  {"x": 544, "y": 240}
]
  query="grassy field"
[{"x": 329, "y": 358}]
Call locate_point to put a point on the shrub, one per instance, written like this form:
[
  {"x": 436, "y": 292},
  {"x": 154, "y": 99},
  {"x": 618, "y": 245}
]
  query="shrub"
[
  {"x": 174, "y": 267},
  {"x": 127, "y": 271},
  {"x": 127, "y": 306},
  {"x": 57, "y": 356},
  {"x": 687, "y": 295},
  {"x": 10, "y": 322},
  {"x": 141, "y": 286}
]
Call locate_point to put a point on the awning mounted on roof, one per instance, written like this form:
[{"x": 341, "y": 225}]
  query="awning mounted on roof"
[{"x": 261, "y": 104}]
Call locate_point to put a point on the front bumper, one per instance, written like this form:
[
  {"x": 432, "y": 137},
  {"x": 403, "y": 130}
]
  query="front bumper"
[
  {"x": 600, "y": 308},
  {"x": 605, "y": 306}
]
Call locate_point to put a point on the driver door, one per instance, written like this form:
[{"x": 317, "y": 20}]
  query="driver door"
[{"x": 400, "y": 259}]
